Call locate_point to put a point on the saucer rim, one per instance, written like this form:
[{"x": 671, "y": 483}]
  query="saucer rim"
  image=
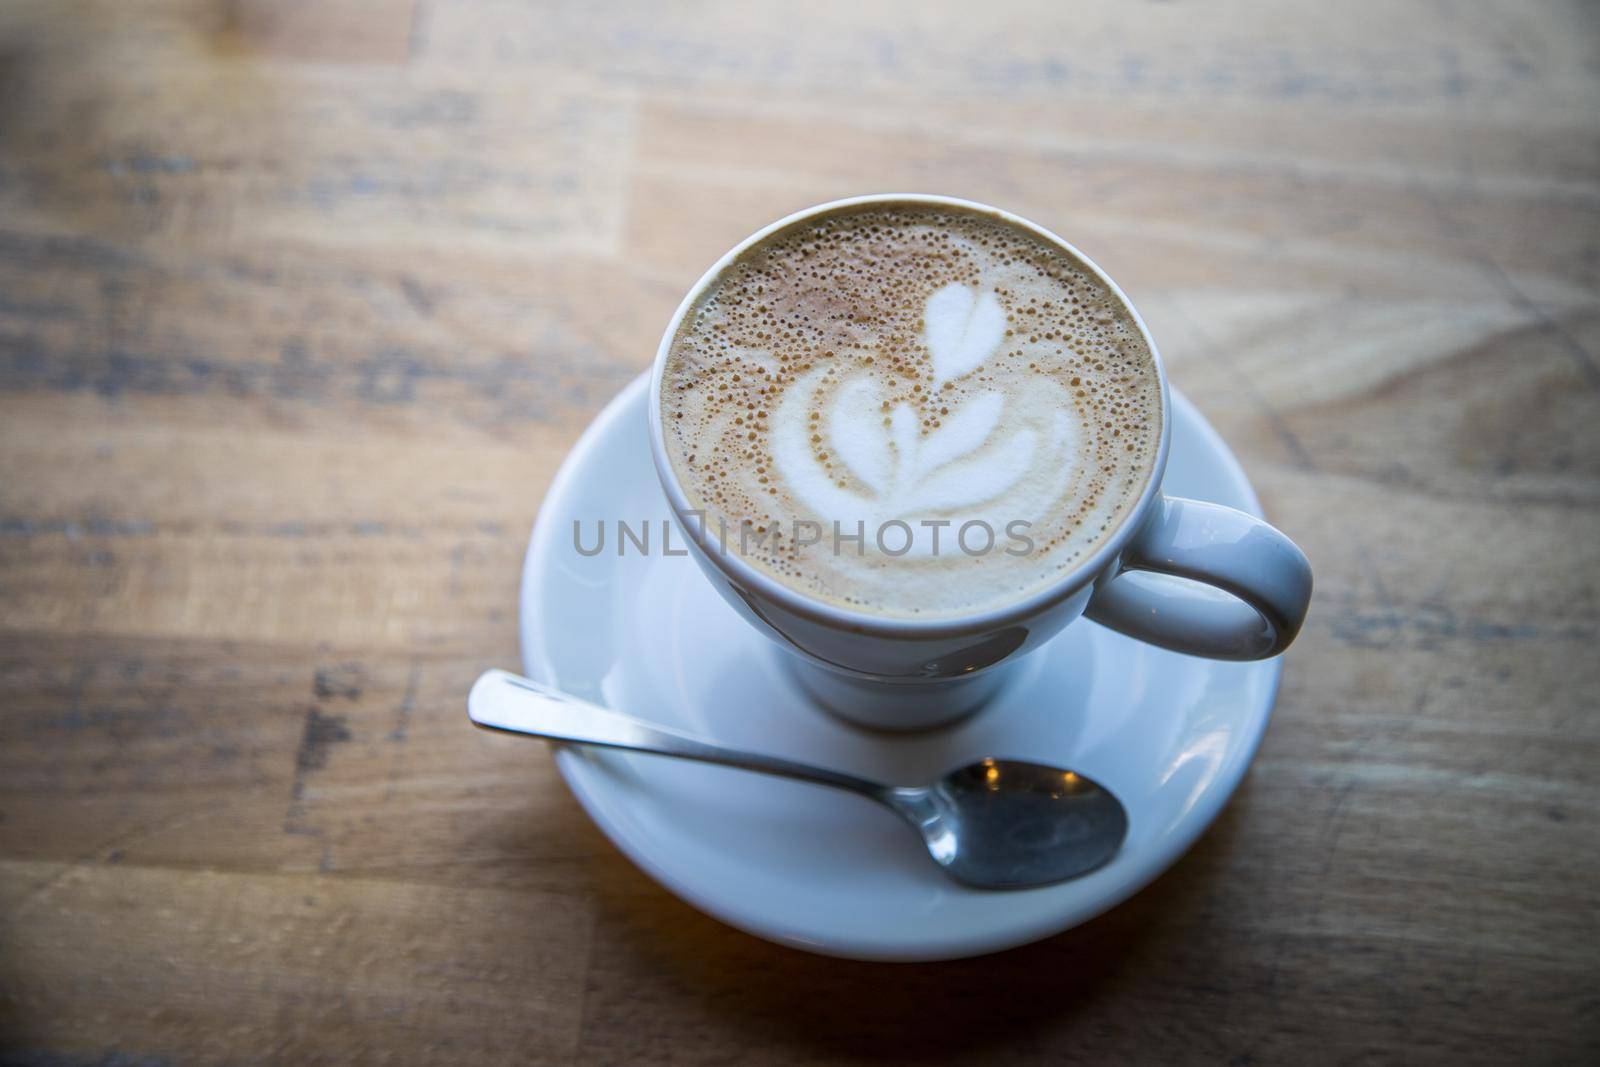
[{"x": 577, "y": 765}]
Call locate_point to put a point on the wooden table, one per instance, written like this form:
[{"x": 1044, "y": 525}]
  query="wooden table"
[{"x": 302, "y": 303}]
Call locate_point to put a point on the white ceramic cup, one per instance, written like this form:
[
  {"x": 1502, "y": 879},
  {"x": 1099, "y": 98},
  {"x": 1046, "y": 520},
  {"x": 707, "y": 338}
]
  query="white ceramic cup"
[{"x": 907, "y": 674}]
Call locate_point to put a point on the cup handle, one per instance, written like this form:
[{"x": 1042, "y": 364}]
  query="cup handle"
[{"x": 1266, "y": 574}]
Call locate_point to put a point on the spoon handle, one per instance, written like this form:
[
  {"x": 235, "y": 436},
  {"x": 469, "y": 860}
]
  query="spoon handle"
[{"x": 501, "y": 700}]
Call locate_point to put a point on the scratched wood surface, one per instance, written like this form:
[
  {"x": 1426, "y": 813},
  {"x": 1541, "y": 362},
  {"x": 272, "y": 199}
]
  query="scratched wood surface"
[{"x": 302, "y": 302}]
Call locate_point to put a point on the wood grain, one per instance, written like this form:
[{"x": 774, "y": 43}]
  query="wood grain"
[{"x": 301, "y": 304}]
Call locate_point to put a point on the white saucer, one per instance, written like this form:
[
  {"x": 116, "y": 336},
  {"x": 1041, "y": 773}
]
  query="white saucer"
[{"x": 1171, "y": 735}]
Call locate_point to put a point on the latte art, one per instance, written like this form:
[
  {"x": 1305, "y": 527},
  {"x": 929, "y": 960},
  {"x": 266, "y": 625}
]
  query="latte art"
[
  {"x": 924, "y": 368},
  {"x": 987, "y": 460}
]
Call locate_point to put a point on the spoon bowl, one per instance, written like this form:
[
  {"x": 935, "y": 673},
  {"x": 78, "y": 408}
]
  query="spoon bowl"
[{"x": 1010, "y": 824}]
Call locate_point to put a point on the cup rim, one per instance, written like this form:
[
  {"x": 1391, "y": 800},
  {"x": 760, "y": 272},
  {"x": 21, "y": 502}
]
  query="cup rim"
[{"x": 747, "y": 576}]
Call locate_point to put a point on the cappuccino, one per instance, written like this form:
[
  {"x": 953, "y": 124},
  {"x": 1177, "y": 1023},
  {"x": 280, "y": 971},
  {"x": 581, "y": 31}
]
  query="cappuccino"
[{"x": 909, "y": 409}]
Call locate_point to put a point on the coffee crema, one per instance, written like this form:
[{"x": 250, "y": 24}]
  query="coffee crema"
[{"x": 910, "y": 409}]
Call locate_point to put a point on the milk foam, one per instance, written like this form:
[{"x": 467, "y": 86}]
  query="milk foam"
[{"x": 921, "y": 365}]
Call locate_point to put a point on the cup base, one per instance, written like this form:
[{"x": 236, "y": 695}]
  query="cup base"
[{"x": 896, "y": 707}]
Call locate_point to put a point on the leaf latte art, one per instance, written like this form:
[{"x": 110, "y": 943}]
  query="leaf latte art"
[
  {"x": 910, "y": 409},
  {"x": 970, "y": 467}
]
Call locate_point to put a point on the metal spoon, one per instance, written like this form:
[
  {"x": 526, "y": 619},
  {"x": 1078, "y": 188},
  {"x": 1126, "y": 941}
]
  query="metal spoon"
[{"x": 993, "y": 824}]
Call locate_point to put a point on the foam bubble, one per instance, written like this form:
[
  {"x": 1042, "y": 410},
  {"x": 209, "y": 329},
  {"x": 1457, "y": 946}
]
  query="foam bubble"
[{"x": 915, "y": 364}]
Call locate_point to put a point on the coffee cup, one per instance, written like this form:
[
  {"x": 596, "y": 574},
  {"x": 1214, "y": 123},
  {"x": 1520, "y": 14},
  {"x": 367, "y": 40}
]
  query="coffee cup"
[{"x": 920, "y": 646}]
